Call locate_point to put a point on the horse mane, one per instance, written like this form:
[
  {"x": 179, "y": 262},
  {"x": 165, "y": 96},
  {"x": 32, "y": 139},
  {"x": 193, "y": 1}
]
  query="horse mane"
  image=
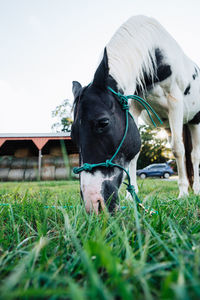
[{"x": 131, "y": 52}]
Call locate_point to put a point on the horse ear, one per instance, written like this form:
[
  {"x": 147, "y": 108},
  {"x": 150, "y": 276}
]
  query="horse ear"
[
  {"x": 76, "y": 87},
  {"x": 101, "y": 74}
]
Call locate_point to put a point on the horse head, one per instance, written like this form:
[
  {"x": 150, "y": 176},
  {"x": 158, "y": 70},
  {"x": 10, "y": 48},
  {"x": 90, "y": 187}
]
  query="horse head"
[{"x": 98, "y": 128}]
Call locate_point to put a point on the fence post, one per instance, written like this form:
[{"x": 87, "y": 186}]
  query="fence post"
[{"x": 39, "y": 164}]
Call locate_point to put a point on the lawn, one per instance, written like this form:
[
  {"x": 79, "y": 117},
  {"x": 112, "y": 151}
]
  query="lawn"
[{"x": 51, "y": 249}]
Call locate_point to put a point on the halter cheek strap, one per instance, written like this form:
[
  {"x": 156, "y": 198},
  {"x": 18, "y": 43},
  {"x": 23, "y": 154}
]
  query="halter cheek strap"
[{"x": 123, "y": 100}]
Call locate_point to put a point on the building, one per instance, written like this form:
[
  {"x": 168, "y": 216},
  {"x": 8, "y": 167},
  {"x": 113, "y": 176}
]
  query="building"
[{"x": 43, "y": 156}]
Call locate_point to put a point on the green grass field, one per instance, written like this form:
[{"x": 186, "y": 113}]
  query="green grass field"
[{"x": 63, "y": 253}]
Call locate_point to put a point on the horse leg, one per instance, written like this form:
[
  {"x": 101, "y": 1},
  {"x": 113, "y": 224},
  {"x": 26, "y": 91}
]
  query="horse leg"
[
  {"x": 135, "y": 111},
  {"x": 175, "y": 105},
  {"x": 195, "y": 155},
  {"x": 132, "y": 172}
]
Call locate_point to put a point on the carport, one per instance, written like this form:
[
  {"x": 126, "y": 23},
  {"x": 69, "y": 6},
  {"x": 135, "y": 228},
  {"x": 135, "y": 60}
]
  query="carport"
[{"x": 35, "y": 145}]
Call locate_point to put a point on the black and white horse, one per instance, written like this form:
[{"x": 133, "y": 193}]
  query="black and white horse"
[{"x": 141, "y": 58}]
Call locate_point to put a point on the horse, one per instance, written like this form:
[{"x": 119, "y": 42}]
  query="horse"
[{"x": 141, "y": 58}]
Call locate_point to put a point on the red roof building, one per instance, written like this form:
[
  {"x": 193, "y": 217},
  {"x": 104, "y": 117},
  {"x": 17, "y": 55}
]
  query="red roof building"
[{"x": 23, "y": 152}]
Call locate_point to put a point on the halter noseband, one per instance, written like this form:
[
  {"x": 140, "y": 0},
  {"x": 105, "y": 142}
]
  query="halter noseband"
[{"x": 123, "y": 100}]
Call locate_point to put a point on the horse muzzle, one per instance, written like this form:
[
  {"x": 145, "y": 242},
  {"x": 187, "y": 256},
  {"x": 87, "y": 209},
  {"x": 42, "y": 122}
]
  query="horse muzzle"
[{"x": 97, "y": 192}]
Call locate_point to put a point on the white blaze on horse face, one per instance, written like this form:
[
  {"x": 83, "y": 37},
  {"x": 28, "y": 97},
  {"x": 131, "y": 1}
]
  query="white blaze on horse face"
[{"x": 91, "y": 188}]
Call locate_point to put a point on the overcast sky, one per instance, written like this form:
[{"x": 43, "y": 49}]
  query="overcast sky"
[{"x": 46, "y": 44}]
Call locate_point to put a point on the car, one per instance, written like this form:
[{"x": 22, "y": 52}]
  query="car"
[{"x": 161, "y": 170}]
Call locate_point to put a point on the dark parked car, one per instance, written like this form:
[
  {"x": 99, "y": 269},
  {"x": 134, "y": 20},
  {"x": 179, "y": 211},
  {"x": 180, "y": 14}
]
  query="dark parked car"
[{"x": 160, "y": 170}]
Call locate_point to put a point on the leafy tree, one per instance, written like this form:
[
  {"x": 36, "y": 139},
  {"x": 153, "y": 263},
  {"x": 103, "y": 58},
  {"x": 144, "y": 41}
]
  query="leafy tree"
[
  {"x": 63, "y": 114},
  {"x": 153, "y": 149}
]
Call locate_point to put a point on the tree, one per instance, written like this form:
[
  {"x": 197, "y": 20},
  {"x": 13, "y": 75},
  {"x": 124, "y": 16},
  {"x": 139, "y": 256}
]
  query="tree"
[
  {"x": 63, "y": 114},
  {"x": 153, "y": 149}
]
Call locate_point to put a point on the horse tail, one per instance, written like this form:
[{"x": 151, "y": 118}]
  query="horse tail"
[{"x": 187, "y": 140}]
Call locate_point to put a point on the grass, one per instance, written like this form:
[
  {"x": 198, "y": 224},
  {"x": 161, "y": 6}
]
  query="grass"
[{"x": 63, "y": 253}]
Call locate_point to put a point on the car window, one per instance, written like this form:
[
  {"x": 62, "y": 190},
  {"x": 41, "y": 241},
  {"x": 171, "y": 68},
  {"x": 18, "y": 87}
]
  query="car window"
[
  {"x": 160, "y": 166},
  {"x": 154, "y": 167},
  {"x": 149, "y": 167}
]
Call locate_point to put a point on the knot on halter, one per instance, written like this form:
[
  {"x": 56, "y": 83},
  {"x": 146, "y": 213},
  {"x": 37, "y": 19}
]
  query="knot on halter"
[
  {"x": 123, "y": 102},
  {"x": 87, "y": 167},
  {"x": 130, "y": 188},
  {"x": 108, "y": 163},
  {"x": 76, "y": 170}
]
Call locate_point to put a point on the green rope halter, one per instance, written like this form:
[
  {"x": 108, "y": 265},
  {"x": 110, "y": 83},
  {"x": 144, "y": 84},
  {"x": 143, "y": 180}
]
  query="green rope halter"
[{"x": 123, "y": 100}]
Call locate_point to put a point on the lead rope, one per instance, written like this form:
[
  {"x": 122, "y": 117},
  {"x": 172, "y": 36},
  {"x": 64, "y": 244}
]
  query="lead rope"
[{"x": 123, "y": 100}]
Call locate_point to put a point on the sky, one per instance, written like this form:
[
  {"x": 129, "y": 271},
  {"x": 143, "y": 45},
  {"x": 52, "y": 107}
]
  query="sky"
[{"x": 46, "y": 44}]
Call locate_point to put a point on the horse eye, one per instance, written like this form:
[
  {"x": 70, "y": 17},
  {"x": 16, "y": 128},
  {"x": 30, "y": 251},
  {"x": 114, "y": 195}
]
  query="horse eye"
[{"x": 102, "y": 123}]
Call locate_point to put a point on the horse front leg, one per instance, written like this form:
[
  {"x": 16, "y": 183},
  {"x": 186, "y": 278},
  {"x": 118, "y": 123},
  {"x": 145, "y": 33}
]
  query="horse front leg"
[
  {"x": 135, "y": 111},
  {"x": 175, "y": 105},
  {"x": 132, "y": 172},
  {"x": 195, "y": 155}
]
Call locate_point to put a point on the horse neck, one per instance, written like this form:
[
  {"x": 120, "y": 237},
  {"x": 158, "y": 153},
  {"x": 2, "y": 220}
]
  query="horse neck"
[{"x": 131, "y": 51}]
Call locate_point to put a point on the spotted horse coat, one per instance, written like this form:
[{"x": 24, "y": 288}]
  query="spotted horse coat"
[{"x": 141, "y": 58}]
